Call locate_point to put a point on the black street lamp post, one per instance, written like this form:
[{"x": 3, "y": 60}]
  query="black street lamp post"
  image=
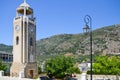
[{"x": 88, "y": 28}]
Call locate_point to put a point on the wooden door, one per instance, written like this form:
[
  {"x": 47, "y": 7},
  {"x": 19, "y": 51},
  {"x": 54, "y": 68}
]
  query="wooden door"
[{"x": 31, "y": 73}]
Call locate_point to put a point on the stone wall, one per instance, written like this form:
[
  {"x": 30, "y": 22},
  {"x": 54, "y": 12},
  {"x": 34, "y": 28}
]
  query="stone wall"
[
  {"x": 15, "y": 69},
  {"x": 104, "y": 77},
  {"x": 100, "y": 77},
  {"x": 31, "y": 70}
]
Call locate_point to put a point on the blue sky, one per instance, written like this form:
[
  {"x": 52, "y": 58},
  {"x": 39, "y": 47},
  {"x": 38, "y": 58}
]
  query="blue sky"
[{"x": 59, "y": 16}]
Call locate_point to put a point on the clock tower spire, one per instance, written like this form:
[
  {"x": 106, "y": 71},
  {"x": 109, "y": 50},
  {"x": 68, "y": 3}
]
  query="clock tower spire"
[{"x": 24, "y": 42}]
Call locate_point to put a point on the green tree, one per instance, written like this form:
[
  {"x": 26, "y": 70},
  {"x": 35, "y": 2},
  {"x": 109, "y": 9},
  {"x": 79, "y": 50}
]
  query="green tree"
[
  {"x": 39, "y": 70},
  {"x": 2, "y": 67},
  {"x": 107, "y": 65},
  {"x": 60, "y": 66}
]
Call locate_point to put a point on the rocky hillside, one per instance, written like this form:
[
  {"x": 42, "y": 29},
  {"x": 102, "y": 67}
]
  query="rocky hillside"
[{"x": 106, "y": 40}]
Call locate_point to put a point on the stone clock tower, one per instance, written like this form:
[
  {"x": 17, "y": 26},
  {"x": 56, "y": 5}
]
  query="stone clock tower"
[{"x": 24, "y": 43}]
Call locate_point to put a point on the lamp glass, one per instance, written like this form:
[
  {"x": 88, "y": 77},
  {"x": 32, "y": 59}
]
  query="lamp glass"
[{"x": 86, "y": 28}]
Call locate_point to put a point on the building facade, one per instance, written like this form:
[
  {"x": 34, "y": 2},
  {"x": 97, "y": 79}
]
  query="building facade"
[
  {"x": 24, "y": 43},
  {"x": 6, "y": 57}
]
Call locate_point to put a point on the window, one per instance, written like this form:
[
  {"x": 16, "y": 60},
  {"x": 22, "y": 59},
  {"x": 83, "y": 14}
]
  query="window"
[
  {"x": 17, "y": 40},
  {"x": 31, "y": 42}
]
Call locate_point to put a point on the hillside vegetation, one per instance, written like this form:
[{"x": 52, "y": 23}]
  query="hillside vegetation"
[
  {"x": 106, "y": 40},
  {"x": 5, "y": 48}
]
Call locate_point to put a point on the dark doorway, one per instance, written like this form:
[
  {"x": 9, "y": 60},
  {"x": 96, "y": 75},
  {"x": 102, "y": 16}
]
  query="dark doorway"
[{"x": 31, "y": 73}]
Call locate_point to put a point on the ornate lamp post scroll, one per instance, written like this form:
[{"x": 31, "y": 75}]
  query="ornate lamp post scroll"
[{"x": 88, "y": 28}]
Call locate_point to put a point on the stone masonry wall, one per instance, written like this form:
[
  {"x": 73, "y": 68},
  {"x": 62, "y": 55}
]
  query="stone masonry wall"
[
  {"x": 28, "y": 68},
  {"x": 15, "y": 69}
]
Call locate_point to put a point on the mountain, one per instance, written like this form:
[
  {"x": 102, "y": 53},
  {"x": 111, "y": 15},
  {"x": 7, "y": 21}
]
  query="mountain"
[
  {"x": 6, "y": 48},
  {"x": 106, "y": 40}
]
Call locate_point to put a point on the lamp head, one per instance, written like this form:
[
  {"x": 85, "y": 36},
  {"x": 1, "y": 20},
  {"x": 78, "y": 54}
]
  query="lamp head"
[{"x": 86, "y": 28}]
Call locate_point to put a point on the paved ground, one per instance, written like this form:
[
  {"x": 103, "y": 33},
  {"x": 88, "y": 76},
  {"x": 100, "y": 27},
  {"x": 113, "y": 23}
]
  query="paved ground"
[{"x": 14, "y": 78}]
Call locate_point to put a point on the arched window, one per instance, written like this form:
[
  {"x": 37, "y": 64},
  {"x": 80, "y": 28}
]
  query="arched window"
[
  {"x": 17, "y": 40},
  {"x": 31, "y": 42}
]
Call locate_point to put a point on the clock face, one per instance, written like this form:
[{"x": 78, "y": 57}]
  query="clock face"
[{"x": 17, "y": 28}]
